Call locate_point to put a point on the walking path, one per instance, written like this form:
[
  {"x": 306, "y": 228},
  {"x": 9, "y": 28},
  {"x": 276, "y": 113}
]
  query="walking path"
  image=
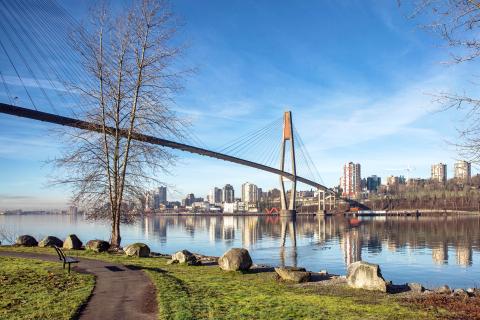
[{"x": 120, "y": 293}]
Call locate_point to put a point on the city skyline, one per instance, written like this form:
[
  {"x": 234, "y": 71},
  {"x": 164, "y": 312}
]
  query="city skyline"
[{"x": 372, "y": 101}]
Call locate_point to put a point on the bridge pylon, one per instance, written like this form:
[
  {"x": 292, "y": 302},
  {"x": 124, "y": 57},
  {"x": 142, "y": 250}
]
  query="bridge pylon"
[{"x": 288, "y": 209}]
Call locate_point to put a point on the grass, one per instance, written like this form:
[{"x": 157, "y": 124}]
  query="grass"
[
  {"x": 206, "y": 292},
  {"x": 34, "y": 289}
]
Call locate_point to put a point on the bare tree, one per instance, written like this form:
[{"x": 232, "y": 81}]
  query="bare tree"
[
  {"x": 130, "y": 61},
  {"x": 457, "y": 22},
  {"x": 8, "y": 235}
]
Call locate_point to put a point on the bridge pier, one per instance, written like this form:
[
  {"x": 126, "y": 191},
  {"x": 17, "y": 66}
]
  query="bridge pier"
[{"x": 288, "y": 208}]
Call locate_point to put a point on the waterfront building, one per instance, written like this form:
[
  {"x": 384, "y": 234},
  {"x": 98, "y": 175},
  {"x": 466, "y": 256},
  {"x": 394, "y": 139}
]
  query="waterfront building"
[
  {"x": 249, "y": 193},
  {"x": 188, "y": 200},
  {"x": 273, "y": 193},
  {"x": 160, "y": 197},
  {"x": 215, "y": 195},
  {"x": 259, "y": 194},
  {"x": 373, "y": 182},
  {"x": 463, "y": 171},
  {"x": 439, "y": 172},
  {"x": 351, "y": 181},
  {"x": 228, "y": 194}
]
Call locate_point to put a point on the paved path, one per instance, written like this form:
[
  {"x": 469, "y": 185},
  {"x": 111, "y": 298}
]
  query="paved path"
[{"x": 120, "y": 293}]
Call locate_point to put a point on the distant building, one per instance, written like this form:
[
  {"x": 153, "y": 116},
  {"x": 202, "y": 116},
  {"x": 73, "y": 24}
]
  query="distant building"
[
  {"x": 395, "y": 180},
  {"x": 188, "y": 200},
  {"x": 259, "y": 194},
  {"x": 249, "y": 193},
  {"x": 72, "y": 210},
  {"x": 228, "y": 194},
  {"x": 373, "y": 182},
  {"x": 273, "y": 193},
  {"x": 351, "y": 181},
  {"x": 160, "y": 197},
  {"x": 215, "y": 195},
  {"x": 463, "y": 171},
  {"x": 416, "y": 182},
  {"x": 439, "y": 172}
]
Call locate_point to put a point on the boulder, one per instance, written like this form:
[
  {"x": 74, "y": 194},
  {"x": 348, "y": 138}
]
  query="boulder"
[
  {"x": 293, "y": 274},
  {"x": 72, "y": 242},
  {"x": 26, "y": 241},
  {"x": 137, "y": 249},
  {"x": 50, "y": 241},
  {"x": 472, "y": 292},
  {"x": 443, "y": 289},
  {"x": 185, "y": 256},
  {"x": 364, "y": 275},
  {"x": 461, "y": 293},
  {"x": 416, "y": 287},
  {"x": 97, "y": 245},
  {"x": 235, "y": 259}
]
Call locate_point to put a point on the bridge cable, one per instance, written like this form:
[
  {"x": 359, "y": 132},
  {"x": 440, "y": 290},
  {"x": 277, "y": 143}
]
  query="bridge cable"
[
  {"x": 7, "y": 91},
  {"x": 18, "y": 75}
]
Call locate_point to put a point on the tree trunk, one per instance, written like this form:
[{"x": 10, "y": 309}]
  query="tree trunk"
[{"x": 115, "y": 238}]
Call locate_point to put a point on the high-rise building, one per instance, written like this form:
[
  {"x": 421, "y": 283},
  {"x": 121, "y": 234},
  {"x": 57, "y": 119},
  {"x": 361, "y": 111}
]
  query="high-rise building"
[
  {"x": 373, "y": 182},
  {"x": 463, "y": 171},
  {"x": 249, "y": 193},
  {"x": 439, "y": 172},
  {"x": 215, "y": 195},
  {"x": 188, "y": 200},
  {"x": 228, "y": 194},
  {"x": 351, "y": 181},
  {"x": 160, "y": 197}
]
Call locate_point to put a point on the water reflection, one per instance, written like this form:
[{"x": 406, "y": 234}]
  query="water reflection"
[{"x": 407, "y": 248}]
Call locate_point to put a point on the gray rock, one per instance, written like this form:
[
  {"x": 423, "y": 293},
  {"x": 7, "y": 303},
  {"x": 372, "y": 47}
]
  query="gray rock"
[
  {"x": 172, "y": 261},
  {"x": 97, "y": 245},
  {"x": 185, "y": 256},
  {"x": 472, "y": 292},
  {"x": 137, "y": 249},
  {"x": 443, "y": 290},
  {"x": 460, "y": 293},
  {"x": 235, "y": 259},
  {"x": 72, "y": 242},
  {"x": 416, "y": 287},
  {"x": 364, "y": 275},
  {"x": 293, "y": 274},
  {"x": 26, "y": 241},
  {"x": 50, "y": 241}
]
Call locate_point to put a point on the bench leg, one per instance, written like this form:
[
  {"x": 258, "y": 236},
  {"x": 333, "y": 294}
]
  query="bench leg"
[{"x": 69, "y": 268}]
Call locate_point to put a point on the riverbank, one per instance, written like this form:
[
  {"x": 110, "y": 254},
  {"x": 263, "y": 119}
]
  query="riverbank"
[
  {"x": 34, "y": 289},
  {"x": 201, "y": 292}
]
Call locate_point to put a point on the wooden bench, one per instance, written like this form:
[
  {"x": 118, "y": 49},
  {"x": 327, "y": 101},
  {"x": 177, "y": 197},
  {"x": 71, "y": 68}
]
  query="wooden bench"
[{"x": 64, "y": 258}]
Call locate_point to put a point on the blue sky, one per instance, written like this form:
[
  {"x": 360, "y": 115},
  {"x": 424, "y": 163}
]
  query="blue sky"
[{"x": 357, "y": 75}]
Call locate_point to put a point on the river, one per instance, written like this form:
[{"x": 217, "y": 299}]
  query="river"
[{"x": 430, "y": 250}]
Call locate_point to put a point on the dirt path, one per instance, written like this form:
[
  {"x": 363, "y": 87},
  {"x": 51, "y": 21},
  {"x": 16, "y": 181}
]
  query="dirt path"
[{"x": 120, "y": 293}]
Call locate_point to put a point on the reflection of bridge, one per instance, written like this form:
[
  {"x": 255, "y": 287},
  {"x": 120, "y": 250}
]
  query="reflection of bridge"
[{"x": 288, "y": 207}]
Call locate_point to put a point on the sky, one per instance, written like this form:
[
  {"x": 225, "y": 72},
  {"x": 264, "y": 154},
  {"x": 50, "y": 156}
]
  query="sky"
[{"x": 358, "y": 76}]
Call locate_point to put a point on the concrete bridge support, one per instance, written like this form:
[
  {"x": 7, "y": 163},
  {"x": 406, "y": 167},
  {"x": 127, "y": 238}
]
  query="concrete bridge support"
[{"x": 288, "y": 209}]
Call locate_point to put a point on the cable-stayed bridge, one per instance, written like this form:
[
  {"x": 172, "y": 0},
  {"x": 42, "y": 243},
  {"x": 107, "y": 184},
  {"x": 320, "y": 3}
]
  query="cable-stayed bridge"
[{"x": 37, "y": 66}]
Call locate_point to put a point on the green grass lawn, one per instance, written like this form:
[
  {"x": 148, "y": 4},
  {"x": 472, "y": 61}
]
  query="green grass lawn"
[
  {"x": 34, "y": 289},
  {"x": 206, "y": 292}
]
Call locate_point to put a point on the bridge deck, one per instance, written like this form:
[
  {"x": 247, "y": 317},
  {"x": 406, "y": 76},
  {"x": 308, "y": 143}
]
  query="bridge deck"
[{"x": 76, "y": 123}]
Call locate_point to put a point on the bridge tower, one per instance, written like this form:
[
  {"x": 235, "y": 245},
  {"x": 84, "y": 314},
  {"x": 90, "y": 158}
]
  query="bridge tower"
[{"x": 288, "y": 209}]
